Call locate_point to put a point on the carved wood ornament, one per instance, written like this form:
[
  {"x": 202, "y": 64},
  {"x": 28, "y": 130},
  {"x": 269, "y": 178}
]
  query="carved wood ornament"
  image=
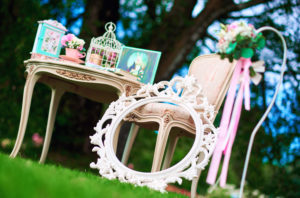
[{"x": 75, "y": 75}]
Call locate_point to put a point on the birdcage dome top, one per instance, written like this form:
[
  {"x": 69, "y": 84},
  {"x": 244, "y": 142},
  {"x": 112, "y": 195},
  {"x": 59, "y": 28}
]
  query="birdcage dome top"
[
  {"x": 104, "y": 50},
  {"x": 108, "y": 39}
]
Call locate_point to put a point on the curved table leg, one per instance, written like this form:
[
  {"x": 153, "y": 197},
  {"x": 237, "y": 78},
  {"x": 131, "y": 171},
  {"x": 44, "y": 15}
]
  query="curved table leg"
[
  {"x": 56, "y": 94},
  {"x": 27, "y": 96}
]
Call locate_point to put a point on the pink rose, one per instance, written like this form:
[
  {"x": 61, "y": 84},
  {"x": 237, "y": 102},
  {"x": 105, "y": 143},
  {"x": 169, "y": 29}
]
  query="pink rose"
[
  {"x": 37, "y": 139},
  {"x": 232, "y": 26},
  {"x": 250, "y": 25},
  {"x": 66, "y": 38},
  {"x": 70, "y": 37}
]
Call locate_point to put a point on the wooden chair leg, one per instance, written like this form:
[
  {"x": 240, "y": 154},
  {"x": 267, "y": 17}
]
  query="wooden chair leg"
[
  {"x": 161, "y": 141},
  {"x": 56, "y": 94},
  {"x": 196, "y": 179},
  {"x": 194, "y": 184},
  {"x": 170, "y": 150},
  {"x": 27, "y": 96},
  {"x": 130, "y": 140}
]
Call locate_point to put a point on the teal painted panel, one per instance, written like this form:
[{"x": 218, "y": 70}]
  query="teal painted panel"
[{"x": 49, "y": 41}]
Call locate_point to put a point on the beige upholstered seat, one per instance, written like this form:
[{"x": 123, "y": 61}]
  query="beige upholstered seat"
[{"x": 161, "y": 109}]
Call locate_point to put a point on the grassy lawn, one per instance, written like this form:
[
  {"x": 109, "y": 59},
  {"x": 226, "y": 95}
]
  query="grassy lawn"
[{"x": 25, "y": 178}]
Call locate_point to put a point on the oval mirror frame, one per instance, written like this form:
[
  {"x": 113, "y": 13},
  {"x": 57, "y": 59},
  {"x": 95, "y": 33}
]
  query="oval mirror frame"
[{"x": 201, "y": 112}]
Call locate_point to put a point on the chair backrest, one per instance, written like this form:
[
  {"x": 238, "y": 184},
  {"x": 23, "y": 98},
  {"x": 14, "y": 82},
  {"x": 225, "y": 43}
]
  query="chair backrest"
[{"x": 214, "y": 74}]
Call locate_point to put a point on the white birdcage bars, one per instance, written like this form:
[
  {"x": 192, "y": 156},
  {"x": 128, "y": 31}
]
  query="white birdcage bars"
[{"x": 104, "y": 50}]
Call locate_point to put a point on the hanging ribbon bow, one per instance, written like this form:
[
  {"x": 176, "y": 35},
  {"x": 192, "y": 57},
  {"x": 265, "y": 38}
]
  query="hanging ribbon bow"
[
  {"x": 258, "y": 67},
  {"x": 230, "y": 119},
  {"x": 231, "y": 114},
  {"x": 237, "y": 41}
]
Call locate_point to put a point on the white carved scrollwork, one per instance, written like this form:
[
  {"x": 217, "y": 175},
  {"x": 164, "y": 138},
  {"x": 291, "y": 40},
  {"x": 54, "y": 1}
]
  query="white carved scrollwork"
[{"x": 188, "y": 95}]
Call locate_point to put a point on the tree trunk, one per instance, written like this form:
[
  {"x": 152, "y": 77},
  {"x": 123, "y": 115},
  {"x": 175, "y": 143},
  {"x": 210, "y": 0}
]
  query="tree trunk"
[{"x": 97, "y": 14}]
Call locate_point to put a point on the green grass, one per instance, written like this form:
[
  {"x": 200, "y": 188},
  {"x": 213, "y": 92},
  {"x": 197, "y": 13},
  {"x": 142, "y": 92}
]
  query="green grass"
[{"x": 25, "y": 178}]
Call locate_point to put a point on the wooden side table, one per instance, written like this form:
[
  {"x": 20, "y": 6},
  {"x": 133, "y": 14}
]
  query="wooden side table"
[{"x": 98, "y": 85}]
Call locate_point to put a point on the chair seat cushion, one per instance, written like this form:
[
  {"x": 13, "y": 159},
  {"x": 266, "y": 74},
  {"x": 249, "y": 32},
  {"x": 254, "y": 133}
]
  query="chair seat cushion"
[{"x": 160, "y": 109}]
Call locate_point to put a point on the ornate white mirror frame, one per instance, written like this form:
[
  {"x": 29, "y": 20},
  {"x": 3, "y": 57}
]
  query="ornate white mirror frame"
[{"x": 201, "y": 112}]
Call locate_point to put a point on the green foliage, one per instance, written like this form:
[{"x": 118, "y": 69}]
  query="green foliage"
[
  {"x": 247, "y": 52},
  {"x": 25, "y": 178},
  {"x": 142, "y": 151},
  {"x": 18, "y": 32},
  {"x": 231, "y": 48},
  {"x": 244, "y": 46},
  {"x": 220, "y": 193}
]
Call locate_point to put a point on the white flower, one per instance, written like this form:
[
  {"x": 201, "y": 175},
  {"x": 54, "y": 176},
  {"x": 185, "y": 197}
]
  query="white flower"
[
  {"x": 71, "y": 41},
  {"x": 229, "y": 32},
  {"x": 78, "y": 41}
]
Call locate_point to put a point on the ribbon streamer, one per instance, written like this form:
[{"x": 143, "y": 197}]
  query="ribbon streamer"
[{"x": 230, "y": 120}]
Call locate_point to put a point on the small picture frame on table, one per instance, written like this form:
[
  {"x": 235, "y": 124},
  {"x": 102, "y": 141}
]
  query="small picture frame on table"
[{"x": 141, "y": 63}]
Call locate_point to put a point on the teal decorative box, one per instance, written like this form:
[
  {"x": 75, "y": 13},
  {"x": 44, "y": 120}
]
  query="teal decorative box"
[{"x": 48, "y": 39}]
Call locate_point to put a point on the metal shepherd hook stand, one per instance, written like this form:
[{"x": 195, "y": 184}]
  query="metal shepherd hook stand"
[{"x": 268, "y": 109}]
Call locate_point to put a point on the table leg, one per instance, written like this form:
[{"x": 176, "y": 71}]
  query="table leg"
[
  {"x": 56, "y": 94},
  {"x": 27, "y": 96}
]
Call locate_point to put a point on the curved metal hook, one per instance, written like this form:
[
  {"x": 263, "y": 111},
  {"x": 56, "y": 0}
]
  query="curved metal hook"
[{"x": 268, "y": 109}]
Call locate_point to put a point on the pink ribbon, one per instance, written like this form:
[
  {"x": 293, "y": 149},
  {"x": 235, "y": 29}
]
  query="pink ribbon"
[{"x": 230, "y": 120}]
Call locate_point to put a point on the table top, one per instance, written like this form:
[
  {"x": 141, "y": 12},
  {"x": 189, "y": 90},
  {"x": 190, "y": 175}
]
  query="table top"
[
  {"x": 78, "y": 67},
  {"x": 97, "y": 84}
]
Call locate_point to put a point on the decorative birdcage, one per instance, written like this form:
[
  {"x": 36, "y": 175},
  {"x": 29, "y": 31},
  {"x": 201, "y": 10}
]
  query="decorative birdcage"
[{"x": 104, "y": 51}]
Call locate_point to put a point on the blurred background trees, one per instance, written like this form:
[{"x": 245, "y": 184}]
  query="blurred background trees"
[{"x": 182, "y": 30}]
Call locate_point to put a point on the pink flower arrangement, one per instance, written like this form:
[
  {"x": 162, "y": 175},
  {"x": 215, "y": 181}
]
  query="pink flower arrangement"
[
  {"x": 71, "y": 41},
  {"x": 228, "y": 33},
  {"x": 239, "y": 39}
]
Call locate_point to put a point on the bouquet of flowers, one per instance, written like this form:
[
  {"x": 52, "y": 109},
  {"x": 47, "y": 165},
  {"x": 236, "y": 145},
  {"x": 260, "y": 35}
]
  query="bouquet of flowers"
[
  {"x": 239, "y": 39},
  {"x": 71, "y": 41}
]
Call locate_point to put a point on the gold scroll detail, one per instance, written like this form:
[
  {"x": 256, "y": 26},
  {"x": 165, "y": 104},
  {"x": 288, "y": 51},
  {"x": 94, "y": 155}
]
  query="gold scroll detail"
[{"x": 75, "y": 75}]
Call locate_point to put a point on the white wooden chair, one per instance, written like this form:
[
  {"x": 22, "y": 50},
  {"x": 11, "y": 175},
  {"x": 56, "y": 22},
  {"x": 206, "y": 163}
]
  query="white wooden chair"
[{"x": 214, "y": 76}]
